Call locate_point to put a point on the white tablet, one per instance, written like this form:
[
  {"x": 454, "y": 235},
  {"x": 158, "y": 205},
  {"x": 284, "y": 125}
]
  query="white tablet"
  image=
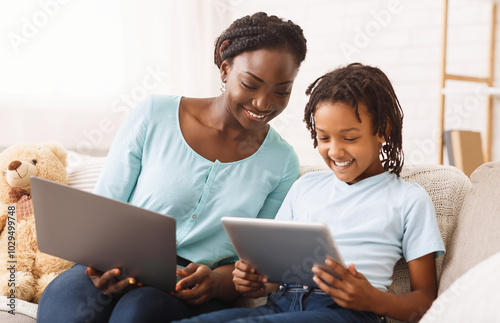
[{"x": 284, "y": 251}]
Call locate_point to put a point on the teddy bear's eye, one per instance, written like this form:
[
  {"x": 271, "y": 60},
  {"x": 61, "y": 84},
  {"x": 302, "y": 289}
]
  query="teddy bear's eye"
[
  {"x": 4, "y": 173},
  {"x": 34, "y": 162}
]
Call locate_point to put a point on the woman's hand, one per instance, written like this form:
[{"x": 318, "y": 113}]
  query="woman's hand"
[
  {"x": 247, "y": 281},
  {"x": 354, "y": 291},
  {"x": 109, "y": 283},
  {"x": 198, "y": 284}
]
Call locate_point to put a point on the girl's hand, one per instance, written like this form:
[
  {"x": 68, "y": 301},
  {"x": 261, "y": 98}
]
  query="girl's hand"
[
  {"x": 109, "y": 283},
  {"x": 354, "y": 291},
  {"x": 247, "y": 281},
  {"x": 198, "y": 284}
]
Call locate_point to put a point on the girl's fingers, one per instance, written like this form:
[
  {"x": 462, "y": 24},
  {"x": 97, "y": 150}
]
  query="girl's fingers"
[
  {"x": 352, "y": 269},
  {"x": 250, "y": 277},
  {"x": 248, "y": 283},
  {"x": 338, "y": 268},
  {"x": 336, "y": 294},
  {"x": 244, "y": 267},
  {"x": 326, "y": 277},
  {"x": 245, "y": 271}
]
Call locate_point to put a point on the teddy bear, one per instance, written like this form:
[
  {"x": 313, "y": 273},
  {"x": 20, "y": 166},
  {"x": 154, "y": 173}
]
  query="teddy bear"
[{"x": 24, "y": 270}]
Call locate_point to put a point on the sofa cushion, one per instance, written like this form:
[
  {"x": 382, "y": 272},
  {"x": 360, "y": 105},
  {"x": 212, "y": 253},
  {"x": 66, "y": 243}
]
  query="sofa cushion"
[
  {"x": 18, "y": 318},
  {"x": 83, "y": 170},
  {"x": 476, "y": 237},
  {"x": 471, "y": 298},
  {"x": 24, "y": 312},
  {"x": 447, "y": 186}
]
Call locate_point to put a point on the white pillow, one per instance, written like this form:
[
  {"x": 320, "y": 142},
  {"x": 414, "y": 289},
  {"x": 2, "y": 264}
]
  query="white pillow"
[
  {"x": 473, "y": 297},
  {"x": 83, "y": 170}
]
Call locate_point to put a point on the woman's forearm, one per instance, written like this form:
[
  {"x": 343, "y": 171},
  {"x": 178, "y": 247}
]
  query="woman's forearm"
[{"x": 224, "y": 289}]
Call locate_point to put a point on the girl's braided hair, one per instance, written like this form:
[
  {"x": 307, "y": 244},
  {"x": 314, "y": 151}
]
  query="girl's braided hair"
[
  {"x": 260, "y": 31},
  {"x": 369, "y": 85}
]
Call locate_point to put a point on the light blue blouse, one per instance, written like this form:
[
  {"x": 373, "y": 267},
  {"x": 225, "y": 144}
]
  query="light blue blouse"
[{"x": 150, "y": 165}]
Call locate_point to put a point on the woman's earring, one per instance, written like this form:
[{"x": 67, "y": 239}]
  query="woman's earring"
[{"x": 223, "y": 86}]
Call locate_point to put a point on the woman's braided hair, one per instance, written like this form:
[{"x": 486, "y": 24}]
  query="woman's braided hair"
[
  {"x": 260, "y": 31},
  {"x": 369, "y": 85}
]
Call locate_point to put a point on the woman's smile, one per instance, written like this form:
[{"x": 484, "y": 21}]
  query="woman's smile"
[{"x": 254, "y": 115}]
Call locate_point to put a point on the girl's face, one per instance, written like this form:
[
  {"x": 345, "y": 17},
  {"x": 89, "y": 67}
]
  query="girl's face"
[
  {"x": 348, "y": 147},
  {"x": 258, "y": 86}
]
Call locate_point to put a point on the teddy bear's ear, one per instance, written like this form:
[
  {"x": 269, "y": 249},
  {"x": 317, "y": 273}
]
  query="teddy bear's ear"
[{"x": 58, "y": 150}]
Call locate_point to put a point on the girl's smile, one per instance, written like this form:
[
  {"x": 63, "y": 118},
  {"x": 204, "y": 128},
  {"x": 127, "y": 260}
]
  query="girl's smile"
[{"x": 344, "y": 164}]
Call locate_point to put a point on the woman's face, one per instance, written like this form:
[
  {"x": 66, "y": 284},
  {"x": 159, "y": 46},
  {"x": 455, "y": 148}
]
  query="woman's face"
[{"x": 258, "y": 85}]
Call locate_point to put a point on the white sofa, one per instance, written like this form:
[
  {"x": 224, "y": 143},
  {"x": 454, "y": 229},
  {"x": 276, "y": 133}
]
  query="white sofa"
[
  {"x": 470, "y": 279},
  {"x": 470, "y": 234}
]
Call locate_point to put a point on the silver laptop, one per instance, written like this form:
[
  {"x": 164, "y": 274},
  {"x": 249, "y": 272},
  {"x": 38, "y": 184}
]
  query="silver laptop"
[
  {"x": 104, "y": 233},
  {"x": 284, "y": 251}
]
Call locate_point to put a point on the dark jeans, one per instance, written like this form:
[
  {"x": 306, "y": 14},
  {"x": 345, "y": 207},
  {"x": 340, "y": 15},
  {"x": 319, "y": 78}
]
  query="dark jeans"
[
  {"x": 72, "y": 297},
  {"x": 290, "y": 305}
]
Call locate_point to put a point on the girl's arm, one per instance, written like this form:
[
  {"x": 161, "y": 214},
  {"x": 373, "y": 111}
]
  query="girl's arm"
[
  {"x": 355, "y": 291},
  {"x": 412, "y": 306}
]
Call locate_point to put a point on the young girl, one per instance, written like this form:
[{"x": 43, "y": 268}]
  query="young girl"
[
  {"x": 375, "y": 217},
  {"x": 195, "y": 159}
]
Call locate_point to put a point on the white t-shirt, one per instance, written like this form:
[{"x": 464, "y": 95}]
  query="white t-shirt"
[{"x": 374, "y": 222}]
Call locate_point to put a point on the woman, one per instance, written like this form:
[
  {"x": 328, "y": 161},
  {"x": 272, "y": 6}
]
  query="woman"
[{"x": 196, "y": 160}]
